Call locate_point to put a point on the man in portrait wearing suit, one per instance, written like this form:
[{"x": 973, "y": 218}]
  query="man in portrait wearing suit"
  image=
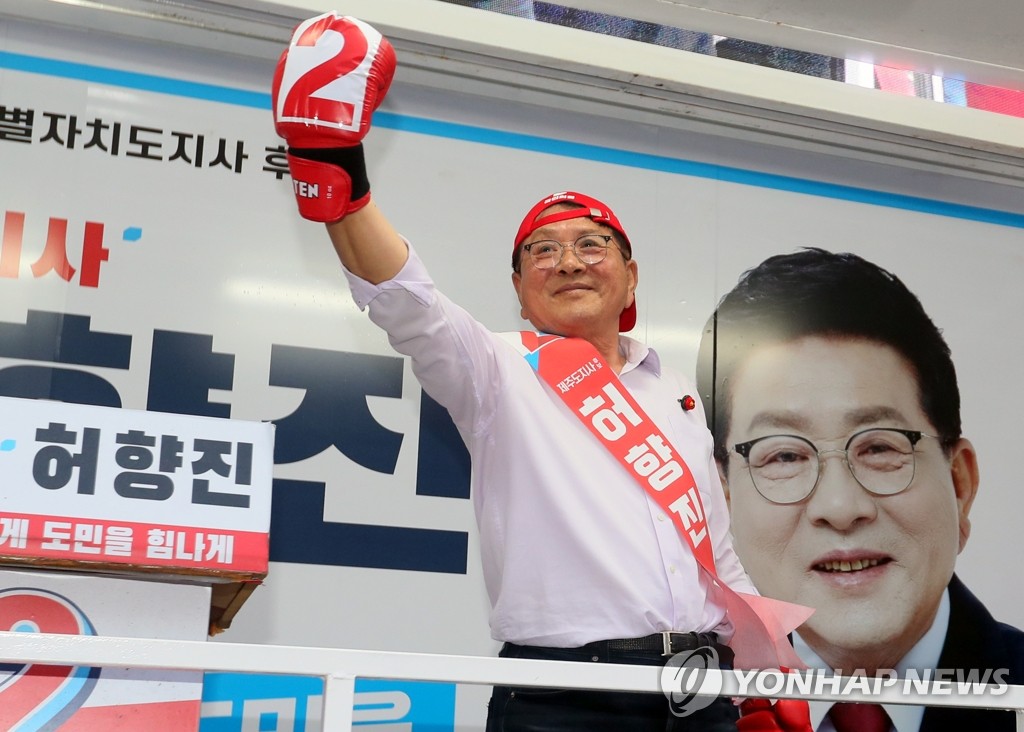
[{"x": 836, "y": 415}]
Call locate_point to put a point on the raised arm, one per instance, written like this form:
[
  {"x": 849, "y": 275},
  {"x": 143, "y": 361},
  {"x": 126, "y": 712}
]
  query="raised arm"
[
  {"x": 368, "y": 245},
  {"x": 329, "y": 81}
]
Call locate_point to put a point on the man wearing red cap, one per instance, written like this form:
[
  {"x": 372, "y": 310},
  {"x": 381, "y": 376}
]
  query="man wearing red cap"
[{"x": 581, "y": 563}]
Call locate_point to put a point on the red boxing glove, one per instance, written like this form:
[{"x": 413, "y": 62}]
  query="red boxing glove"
[
  {"x": 328, "y": 82},
  {"x": 785, "y": 715}
]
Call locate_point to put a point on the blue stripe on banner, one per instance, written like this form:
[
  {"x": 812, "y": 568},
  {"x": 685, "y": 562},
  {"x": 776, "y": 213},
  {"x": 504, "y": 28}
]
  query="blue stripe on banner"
[
  {"x": 517, "y": 141},
  {"x": 233, "y": 702},
  {"x": 132, "y": 80},
  {"x": 695, "y": 169}
]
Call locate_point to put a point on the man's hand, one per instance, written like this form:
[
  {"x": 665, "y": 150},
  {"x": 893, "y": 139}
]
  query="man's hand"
[
  {"x": 328, "y": 82},
  {"x": 785, "y": 715}
]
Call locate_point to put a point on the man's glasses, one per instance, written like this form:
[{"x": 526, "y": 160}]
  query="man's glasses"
[
  {"x": 787, "y": 468},
  {"x": 589, "y": 249}
]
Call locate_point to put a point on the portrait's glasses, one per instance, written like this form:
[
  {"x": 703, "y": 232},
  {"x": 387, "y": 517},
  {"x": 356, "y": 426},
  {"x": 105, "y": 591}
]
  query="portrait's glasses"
[
  {"x": 589, "y": 249},
  {"x": 787, "y": 468}
]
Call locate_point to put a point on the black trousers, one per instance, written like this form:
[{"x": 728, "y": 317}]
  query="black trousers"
[{"x": 537, "y": 709}]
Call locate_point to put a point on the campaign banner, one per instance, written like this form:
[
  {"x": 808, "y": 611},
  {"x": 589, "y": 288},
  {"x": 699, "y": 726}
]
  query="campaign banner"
[
  {"x": 153, "y": 259},
  {"x": 81, "y": 698},
  {"x": 236, "y": 702},
  {"x": 88, "y": 484}
]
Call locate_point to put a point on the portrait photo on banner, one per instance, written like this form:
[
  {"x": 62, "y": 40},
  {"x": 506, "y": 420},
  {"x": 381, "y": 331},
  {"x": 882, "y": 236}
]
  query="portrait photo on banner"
[{"x": 858, "y": 411}]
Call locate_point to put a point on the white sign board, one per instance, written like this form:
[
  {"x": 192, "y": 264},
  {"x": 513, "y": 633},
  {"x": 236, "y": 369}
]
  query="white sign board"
[{"x": 96, "y": 485}]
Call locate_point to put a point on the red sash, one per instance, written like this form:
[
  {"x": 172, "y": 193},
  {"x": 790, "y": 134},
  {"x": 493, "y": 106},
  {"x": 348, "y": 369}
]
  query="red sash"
[{"x": 574, "y": 369}]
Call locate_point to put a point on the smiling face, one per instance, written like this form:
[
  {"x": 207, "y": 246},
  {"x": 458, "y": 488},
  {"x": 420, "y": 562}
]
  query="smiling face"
[
  {"x": 573, "y": 298},
  {"x": 873, "y": 567}
]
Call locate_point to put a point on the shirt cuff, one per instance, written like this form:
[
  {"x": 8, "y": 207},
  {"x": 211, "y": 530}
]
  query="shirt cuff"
[{"x": 413, "y": 278}]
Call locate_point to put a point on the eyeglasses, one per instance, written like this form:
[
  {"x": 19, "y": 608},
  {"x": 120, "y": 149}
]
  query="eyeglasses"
[
  {"x": 787, "y": 468},
  {"x": 589, "y": 249}
]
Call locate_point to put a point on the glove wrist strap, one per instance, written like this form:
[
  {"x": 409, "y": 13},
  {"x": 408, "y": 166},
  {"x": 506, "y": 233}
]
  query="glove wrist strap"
[
  {"x": 349, "y": 159},
  {"x": 329, "y": 183}
]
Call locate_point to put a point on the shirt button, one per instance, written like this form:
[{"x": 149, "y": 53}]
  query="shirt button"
[
  {"x": 660, "y": 517},
  {"x": 672, "y": 568}
]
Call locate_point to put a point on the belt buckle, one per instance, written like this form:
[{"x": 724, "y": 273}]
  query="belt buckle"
[{"x": 666, "y": 643}]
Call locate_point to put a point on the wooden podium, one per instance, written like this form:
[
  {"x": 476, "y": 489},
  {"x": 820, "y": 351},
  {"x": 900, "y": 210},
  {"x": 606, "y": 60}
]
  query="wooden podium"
[{"x": 124, "y": 523}]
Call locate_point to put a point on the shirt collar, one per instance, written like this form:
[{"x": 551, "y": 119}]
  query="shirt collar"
[
  {"x": 924, "y": 655},
  {"x": 639, "y": 354}
]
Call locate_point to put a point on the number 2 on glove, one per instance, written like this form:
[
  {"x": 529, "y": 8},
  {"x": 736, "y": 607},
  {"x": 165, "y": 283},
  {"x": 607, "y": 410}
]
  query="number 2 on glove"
[{"x": 324, "y": 74}]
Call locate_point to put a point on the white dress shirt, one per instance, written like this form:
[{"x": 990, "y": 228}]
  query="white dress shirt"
[
  {"x": 924, "y": 655},
  {"x": 573, "y": 549}
]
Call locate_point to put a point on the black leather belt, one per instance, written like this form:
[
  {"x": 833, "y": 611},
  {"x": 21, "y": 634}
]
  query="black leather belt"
[{"x": 668, "y": 643}]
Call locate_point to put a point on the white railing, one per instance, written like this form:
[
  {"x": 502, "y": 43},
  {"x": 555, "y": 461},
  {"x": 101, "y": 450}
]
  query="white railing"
[{"x": 339, "y": 669}]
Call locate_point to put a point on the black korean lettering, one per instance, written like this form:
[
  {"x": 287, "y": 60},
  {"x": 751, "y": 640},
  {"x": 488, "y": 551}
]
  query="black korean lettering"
[{"x": 53, "y": 466}]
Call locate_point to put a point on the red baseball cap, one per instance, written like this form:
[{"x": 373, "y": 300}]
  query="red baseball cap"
[{"x": 587, "y": 207}]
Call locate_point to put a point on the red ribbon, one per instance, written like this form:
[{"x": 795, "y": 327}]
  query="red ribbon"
[{"x": 574, "y": 369}]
